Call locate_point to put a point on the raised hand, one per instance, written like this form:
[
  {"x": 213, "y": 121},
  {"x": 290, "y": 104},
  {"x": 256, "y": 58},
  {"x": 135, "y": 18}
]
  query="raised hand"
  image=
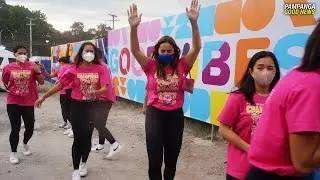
[
  {"x": 193, "y": 11},
  {"x": 133, "y": 18},
  {"x": 36, "y": 68}
]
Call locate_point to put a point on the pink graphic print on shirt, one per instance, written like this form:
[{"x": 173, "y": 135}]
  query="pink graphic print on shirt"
[
  {"x": 255, "y": 112},
  {"x": 21, "y": 80},
  {"x": 88, "y": 83},
  {"x": 167, "y": 89}
]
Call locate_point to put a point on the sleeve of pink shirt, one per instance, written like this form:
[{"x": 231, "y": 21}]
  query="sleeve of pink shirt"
[
  {"x": 150, "y": 66},
  {"x": 55, "y": 74},
  {"x": 67, "y": 77},
  {"x": 5, "y": 76},
  {"x": 303, "y": 109},
  {"x": 231, "y": 111},
  {"x": 109, "y": 74},
  {"x": 104, "y": 76},
  {"x": 183, "y": 62}
]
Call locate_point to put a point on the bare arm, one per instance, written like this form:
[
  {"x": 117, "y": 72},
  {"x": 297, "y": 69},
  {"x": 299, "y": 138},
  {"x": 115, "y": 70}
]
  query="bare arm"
[
  {"x": 305, "y": 151},
  {"x": 135, "y": 48},
  {"x": 196, "y": 45},
  {"x": 193, "y": 14},
  {"x": 38, "y": 74},
  {"x": 232, "y": 137},
  {"x": 56, "y": 88},
  {"x": 145, "y": 101},
  {"x": 134, "y": 21},
  {"x": 103, "y": 89},
  {"x": 48, "y": 75},
  {"x": 40, "y": 79}
]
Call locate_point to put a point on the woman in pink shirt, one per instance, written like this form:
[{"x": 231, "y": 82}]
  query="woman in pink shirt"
[
  {"x": 65, "y": 93},
  {"x": 89, "y": 81},
  {"x": 242, "y": 111},
  {"x": 165, "y": 73},
  {"x": 102, "y": 108},
  {"x": 286, "y": 144},
  {"x": 20, "y": 78}
]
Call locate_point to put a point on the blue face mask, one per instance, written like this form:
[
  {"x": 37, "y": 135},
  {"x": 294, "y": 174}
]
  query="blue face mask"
[{"x": 166, "y": 58}]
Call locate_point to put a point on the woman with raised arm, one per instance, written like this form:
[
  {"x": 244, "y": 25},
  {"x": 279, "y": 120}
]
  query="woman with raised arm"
[{"x": 165, "y": 72}]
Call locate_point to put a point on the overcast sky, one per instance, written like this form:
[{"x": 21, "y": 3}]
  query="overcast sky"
[{"x": 62, "y": 13}]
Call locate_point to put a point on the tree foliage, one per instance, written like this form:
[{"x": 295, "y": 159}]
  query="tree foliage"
[{"x": 13, "y": 24}]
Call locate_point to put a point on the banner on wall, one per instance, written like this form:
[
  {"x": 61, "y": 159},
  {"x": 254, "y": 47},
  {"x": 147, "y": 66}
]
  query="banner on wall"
[
  {"x": 231, "y": 32},
  {"x": 60, "y": 50}
]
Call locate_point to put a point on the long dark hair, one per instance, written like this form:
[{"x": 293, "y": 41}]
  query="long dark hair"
[
  {"x": 64, "y": 60},
  {"x": 311, "y": 57},
  {"x": 246, "y": 85},
  {"x": 78, "y": 59},
  {"x": 161, "y": 73}
]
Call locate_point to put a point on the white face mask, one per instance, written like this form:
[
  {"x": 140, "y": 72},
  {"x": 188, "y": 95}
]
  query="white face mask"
[
  {"x": 263, "y": 78},
  {"x": 22, "y": 58},
  {"x": 88, "y": 56},
  {"x": 57, "y": 65}
]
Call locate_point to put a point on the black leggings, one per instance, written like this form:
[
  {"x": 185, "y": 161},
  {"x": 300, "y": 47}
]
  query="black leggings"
[
  {"x": 15, "y": 112},
  {"x": 101, "y": 112},
  {"x": 231, "y": 177},
  {"x": 65, "y": 102},
  {"x": 82, "y": 126},
  {"x": 258, "y": 174},
  {"x": 164, "y": 131}
]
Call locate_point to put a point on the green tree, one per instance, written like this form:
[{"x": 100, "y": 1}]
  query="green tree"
[
  {"x": 102, "y": 30},
  {"x": 77, "y": 28}
]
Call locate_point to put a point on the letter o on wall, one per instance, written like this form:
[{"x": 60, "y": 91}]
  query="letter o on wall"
[{"x": 124, "y": 52}]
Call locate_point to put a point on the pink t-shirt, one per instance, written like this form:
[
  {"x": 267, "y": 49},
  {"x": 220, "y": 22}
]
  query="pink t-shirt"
[
  {"x": 59, "y": 74},
  {"x": 167, "y": 94},
  {"x": 292, "y": 107},
  {"x": 84, "y": 79},
  {"x": 109, "y": 94},
  {"x": 21, "y": 82},
  {"x": 242, "y": 116}
]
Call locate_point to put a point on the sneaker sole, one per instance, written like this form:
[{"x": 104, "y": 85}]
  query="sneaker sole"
[
  {"x": 27, "y": 154},
  {"x": 96, "y": 150},
  {"x": 14, "y": 163},
  {"x": 84, "y": 175}
]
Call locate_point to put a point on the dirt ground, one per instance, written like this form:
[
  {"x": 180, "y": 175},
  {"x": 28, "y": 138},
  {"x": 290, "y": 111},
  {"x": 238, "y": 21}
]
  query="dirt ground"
[{"x": 200, "y": 159}]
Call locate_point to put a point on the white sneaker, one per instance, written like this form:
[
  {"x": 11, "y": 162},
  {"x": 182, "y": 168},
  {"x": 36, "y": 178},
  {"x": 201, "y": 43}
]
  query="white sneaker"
[
  {"x": 83, "y": 170},
  {"x": 67, "y": 131},
  {"x": 115, "y": 148},
  {"x": 22, "y": 125},
  {"x": 26, "y": 151},
  {"x": 70, "y": 135},
  {"x": 14, "y": 158},
  {"x": 76, "y": 175},
  {"x": 97, "y": 148},
  {"x": 67, "y": 126},
  {"x": 62, "y": 125}
]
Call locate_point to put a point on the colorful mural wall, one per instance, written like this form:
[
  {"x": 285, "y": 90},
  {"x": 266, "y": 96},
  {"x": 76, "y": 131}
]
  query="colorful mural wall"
[{"x": 231, "y": 33}]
